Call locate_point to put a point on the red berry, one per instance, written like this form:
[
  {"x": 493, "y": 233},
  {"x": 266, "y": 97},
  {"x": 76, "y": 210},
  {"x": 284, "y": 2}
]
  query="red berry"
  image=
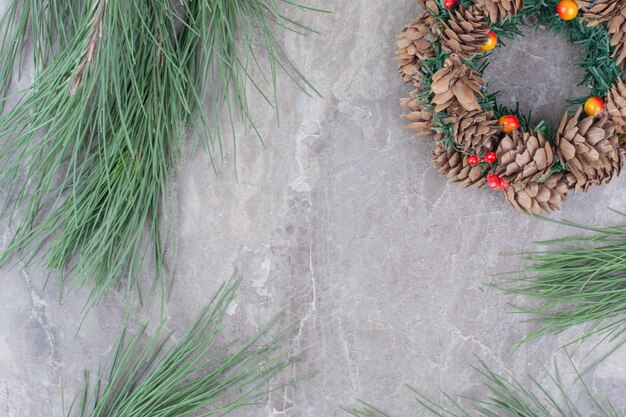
[
  {"x": 509, "y": 123},
  {"x": 473, "y": 160},
  {"x": 448, "y": 4},
  {"x": 493, "y": 181},
  {"x": 490, "y": 157},
  {"x": 503, "y": 184}
]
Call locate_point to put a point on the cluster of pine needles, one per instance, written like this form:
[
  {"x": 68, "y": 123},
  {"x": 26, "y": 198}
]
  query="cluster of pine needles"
[
  {"x": 506, "y": 396},
  {"x": 578, "y": 280},
  {"x": 198, "y": 375},
  {"x": 89, "y": 150}
]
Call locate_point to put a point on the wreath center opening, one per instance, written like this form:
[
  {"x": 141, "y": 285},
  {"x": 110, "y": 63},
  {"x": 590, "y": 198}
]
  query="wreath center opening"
[{"x": 538, "y": 71}]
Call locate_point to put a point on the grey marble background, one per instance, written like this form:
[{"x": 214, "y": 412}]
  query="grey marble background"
[{"x": 340, "y": 221}]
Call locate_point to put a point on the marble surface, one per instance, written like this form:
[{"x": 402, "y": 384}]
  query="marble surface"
[{"x": 341, "y": 222}]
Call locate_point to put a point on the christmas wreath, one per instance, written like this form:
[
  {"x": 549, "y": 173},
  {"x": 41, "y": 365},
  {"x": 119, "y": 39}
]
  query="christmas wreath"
[{"x": 478, "y": 142}]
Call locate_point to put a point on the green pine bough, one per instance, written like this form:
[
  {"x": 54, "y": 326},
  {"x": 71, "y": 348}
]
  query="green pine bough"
[
  {"x": 198, "y": 375},
  {"x": 579, "y": 280},
  {"x": 507, "y": 397},
  {"x": 88, "y": 152}
]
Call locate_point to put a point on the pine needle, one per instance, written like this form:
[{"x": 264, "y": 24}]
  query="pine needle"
[
  {"x": 366, "y": 410},
  {"x": 507, "y": 397},
  {"x": 198, "y": 375},
  {"x": 89, "y": 151},
  {"x": 582, "y": 281},
  {"x": 43, "y": 27}
]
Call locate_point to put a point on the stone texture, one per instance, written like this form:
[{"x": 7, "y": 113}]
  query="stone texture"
[
  {"x": 342, "y": 222},
  {"x": 539, "y": 71}
]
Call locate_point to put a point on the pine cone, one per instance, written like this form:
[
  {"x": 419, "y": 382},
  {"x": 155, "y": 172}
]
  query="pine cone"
[
  {"x": 465, "y": 32},
  {"x": 590, "y": 148},
  {"x": 595, "y": 12},
  {"x": 524, "y": 158},
  {"x": 429, "y": 5},
  {"x": 498, "y": 10},
  {"x": 456, "y": 83},
  {"x": 537, "y": 196},
  {"x": 617, "y": 28},
  {"x": 455, "y": 165},
  {"x": 613, "y": 12},
  {"x": 616, "y": 106},
  {"x": 414, "y": 45},
  {"x": 420, "y": 119},
  {"x": 474, "y": 129}
]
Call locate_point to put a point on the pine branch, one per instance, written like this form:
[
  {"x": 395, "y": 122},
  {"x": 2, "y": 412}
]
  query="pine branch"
[
  {"x": 89, "y": 150},
  {"x": 96, "y": 34},
  {"x": 507, "y": 396},
  {"x": 582, "y": 281},
  {"x": 198, "y": 375}
]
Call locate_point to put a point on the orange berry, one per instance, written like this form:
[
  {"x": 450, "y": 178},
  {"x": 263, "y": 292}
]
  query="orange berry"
[
  {"x": 567, "y": 9},
  {"x": 594, "y": 106},
  {"x": 509, "y": 123},
  {"x": 491, "y": 42}
]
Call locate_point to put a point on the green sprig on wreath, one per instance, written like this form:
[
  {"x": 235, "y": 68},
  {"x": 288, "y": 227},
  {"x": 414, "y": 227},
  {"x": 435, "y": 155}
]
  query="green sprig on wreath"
[{"x": 443, "y": 54}]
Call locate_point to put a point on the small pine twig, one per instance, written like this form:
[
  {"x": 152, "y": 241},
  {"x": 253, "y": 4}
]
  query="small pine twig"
[{"x": 92, "y": 45}]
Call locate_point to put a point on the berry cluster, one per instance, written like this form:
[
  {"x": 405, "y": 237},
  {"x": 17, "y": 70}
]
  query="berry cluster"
[
  {"x": 490, "y": 157},
  {"x": 494, "y": 182}
]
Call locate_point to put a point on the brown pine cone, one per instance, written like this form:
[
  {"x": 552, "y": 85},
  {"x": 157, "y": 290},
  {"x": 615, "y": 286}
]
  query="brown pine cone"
[
  {"x": 616, "y": 106},
  {"x": 498, "y": 10},
  {"x": 455, "y": 165},
  {"x": 420, "y": 119},
  {"x": 571, "y": 181},
  {"x": 524, "y": 158},
  {"x": 613, "y": 12},
  {"x": 465, "y": 32},
  {"x": 474, "y": 129},
  {"x": 590, "y": 148},
  {"x": 454, "y": 83},
  {"x": 536, "y": 197},
  {"x": 617, "y": 30},
  {"x": 414, "y": 45},
  {"x": 595, "y": 12},
  {"x": 429, "y": 5}
]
